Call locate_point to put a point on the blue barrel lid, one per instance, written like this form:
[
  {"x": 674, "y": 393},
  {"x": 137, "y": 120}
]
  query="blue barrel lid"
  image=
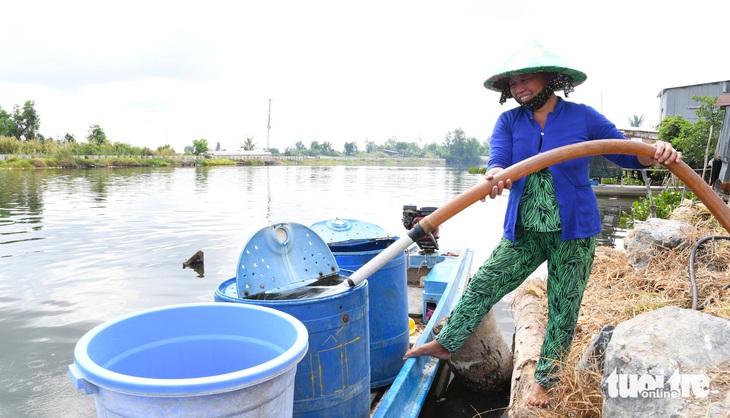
[
  {"x": 339, "y": 230},
  {"x": 281, "y": 256}
]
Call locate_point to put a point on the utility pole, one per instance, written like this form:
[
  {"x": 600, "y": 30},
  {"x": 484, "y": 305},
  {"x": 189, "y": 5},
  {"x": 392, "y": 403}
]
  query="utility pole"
[{"x": 268, "y": 127}]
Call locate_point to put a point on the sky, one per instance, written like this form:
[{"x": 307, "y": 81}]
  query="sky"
[{"x": 152, "y": 72}]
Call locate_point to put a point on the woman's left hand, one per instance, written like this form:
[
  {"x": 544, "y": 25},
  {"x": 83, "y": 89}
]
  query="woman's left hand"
[{"x": 665, "y": 154}]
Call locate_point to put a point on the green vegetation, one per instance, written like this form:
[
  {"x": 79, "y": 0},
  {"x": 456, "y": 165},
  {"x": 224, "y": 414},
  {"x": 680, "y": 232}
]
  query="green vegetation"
[
  {"x": 217, "y": 161},
  {"x": 664, "y": 202},
  {"x": 632, "y": 178},
  {"x": 457, "y": 149},
  {"x": 695, "y": 140},
  {"x": 19, "y": 135},
  {"x": 636, "y": 121}
]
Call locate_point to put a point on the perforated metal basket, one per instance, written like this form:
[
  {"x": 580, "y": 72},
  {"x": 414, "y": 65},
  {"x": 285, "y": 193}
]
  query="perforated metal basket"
[{"x": 283, "y": 256}]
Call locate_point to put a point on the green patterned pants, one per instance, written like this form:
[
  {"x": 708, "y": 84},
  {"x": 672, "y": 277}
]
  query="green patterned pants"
[{"x": 569, "y": 266}]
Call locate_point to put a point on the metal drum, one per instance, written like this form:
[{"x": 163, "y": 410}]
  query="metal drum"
[
  {"x": 353, "y": 244},
  {"x": 288, "y": 267}
]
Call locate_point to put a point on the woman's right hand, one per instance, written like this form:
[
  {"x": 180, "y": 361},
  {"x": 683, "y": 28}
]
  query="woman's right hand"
[{"x": 497, "y": 188}]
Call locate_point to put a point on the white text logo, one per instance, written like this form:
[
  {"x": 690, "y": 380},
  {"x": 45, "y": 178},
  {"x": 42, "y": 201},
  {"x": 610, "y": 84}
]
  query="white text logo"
[{"x": 655, "y": 386}]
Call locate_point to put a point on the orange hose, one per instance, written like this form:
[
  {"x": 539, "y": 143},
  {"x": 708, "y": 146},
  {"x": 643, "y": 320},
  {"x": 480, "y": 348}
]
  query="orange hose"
[{"x": 584, "y": 149}]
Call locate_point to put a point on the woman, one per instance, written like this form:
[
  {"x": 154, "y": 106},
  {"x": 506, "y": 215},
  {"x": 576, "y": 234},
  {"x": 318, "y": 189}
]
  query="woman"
[{"x": 552, "y": 215}]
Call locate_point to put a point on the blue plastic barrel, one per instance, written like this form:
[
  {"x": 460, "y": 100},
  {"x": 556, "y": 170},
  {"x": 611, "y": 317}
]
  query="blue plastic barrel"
[
  {"x": 195, "y": 360},
  {"x": 353, "y": 244},
  {"x": 388, "y": 307},
  {"x": 333, "y": 379}
]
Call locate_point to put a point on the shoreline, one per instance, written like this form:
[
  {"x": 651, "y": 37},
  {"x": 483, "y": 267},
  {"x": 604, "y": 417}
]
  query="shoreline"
[{"x": 10, "y": 161}]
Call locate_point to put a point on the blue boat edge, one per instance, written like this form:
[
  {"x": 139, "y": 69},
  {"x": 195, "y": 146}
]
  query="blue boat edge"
[{"x": 407, "y": 394}]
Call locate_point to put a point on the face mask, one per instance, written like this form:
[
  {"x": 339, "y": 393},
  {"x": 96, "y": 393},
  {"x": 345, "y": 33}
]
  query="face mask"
[{"x": 539, "y": 100}]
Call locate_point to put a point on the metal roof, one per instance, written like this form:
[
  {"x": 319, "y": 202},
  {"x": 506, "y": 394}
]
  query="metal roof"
[{"x": 723, "y": 100}]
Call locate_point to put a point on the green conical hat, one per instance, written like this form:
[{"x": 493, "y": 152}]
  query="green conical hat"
[{"x": 532, "y": 58}]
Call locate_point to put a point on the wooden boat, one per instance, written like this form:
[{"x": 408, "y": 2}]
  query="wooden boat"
[{"x": 436, "y": 281}]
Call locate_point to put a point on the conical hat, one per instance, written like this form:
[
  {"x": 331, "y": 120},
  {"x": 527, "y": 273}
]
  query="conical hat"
[{"x": 532, "y": 58}]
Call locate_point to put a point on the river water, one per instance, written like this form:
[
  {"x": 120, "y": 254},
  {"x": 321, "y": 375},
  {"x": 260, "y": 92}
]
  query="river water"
[{"x": 80, "y": 247}]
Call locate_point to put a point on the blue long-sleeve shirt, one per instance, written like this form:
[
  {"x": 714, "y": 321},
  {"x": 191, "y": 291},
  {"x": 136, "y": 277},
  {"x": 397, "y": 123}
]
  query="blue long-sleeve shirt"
[{"x": 518, "y": 136}]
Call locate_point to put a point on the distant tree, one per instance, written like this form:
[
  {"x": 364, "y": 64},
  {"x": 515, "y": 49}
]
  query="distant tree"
[
  {"x": 315, "y": 148},
  {"x": 249, "y": 145},
  {"x": 436, "y": 150},
  {"x": 68, "y": 139},
  {"x": 200, "y": 146},
  {"x": 166, "y": 149},
  {"x": 636, "y": 121},
  {"x": 391, "y": 143},
  {"x": 484, "y": 149},
  {"x": 671, "y": 127},
  {"x": 217, "y": 146},
  {"x": 462, "y": 150},
  {"x": 7, "y": 124},
  {"x": 350, "y": 148},
  {"x": 326, "y": 149},
  {"x": 26, "y": 121},
  {"x": 189, "y": 149},
  {"x": 96, "y": 135},
  {"x": 299, "y": 146},
  {"x": 289, "y": 151},
  {"x": 370, "y": 147}
]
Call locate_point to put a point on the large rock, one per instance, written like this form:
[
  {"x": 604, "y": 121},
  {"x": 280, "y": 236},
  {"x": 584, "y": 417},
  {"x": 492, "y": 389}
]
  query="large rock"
[
  {"x": 652, "y": 236},
  {"x": 670, "y": 354}
]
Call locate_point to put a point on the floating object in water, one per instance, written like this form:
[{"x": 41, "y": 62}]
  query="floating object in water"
[{"x": 195, "y": 260}]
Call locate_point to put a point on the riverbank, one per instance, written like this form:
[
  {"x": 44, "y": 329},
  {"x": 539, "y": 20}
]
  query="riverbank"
[{"x": 109, "y": 161}]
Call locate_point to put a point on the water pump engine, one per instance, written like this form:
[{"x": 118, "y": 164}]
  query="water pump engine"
[{"x": 411, "y": 216}]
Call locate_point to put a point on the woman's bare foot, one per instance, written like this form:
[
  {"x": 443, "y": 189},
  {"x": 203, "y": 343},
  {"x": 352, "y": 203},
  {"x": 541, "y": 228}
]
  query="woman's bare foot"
[
  {"x": 431, "y": 348},
  {"x": 539, "y": 396}
]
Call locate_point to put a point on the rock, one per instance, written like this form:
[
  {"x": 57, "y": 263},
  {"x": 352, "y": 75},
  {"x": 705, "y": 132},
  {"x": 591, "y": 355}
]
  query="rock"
[
  {"x": 594, "y": 356},
  {"x": 650, "y": 237},
  {"x": 664, "y": 350}
]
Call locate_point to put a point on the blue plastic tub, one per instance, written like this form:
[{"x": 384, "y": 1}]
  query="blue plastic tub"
[
  {"x": 333, "y": 380},
  {"x": 201, "y": 360}
]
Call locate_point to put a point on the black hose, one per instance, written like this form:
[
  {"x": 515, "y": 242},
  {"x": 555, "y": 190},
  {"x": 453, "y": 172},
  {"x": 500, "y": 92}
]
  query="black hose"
[{"x": 692, "y": 266}]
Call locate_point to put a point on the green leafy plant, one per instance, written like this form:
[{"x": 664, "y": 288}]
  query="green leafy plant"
[{"x": 664, "y": 202}]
